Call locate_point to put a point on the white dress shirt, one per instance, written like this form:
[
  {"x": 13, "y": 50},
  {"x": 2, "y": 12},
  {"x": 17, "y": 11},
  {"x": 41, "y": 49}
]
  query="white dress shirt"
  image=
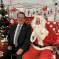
[{"x": 16, "y": 32}]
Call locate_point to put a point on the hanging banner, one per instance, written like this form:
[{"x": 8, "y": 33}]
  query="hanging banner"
[
  {"x": 33, "y": 13},
  {"x": 28, "y": 13},
  {"x": 45, "y": 13}
]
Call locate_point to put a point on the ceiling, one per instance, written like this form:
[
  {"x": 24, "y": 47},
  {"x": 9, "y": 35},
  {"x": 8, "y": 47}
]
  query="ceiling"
[{"x": 30, "y": 3}]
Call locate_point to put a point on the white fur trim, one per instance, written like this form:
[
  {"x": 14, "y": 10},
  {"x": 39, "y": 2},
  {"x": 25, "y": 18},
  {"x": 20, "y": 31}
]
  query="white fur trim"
[
  {"x": 43, "y": 30},
  {"x": 47, "y": 47},
  {"x": 40, "y": 42}
]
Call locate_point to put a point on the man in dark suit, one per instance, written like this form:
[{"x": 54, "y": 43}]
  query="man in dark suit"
[{"x": 18, "y": 38}]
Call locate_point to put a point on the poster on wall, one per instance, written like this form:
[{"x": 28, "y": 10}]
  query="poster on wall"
[
  {"x": 33, "y": 13},
  {"x": 45, "y": 14},
  {"x": 28, "y": 13}
]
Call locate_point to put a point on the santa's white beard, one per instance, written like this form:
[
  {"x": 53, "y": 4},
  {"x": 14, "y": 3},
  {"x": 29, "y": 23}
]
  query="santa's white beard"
[{"x": 38, "y": 28}]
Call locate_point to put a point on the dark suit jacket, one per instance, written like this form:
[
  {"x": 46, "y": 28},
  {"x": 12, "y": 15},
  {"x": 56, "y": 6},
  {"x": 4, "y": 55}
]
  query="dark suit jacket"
[{"x": 23, "y": 38}]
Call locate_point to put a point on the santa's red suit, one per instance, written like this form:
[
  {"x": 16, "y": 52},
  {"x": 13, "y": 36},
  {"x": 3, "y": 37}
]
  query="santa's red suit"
[{"x": 41, "y": 39}]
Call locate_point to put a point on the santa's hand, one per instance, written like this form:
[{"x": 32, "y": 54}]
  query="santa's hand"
[
  {"x": 44, "y": 34},
  {"x": 43, "y": 30}
]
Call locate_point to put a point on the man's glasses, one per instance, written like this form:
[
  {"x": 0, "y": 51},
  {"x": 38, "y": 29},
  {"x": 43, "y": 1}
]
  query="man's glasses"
[{"x": 20, "y": 17}]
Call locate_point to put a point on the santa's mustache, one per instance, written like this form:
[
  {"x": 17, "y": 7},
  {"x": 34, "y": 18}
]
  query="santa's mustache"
[{"x": 38, "y": 26}]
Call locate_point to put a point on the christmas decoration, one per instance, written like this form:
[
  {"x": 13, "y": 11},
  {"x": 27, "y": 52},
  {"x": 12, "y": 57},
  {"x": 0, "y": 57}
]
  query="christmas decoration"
[
  {"x": 11, "y": 21},
  {"x": 4, "y": 30},
  {"x": 32, "y": 12}
]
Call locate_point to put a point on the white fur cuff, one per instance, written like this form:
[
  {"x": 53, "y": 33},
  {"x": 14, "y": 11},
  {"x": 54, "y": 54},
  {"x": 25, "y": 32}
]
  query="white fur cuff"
[{"x": 33, "y": 37}]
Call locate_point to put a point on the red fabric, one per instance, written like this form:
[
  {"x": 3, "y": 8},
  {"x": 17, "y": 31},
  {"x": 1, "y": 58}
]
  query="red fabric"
[
  {"x": 3, "y": 47},
  {"x": 40, "y": 54},
  {"x": 54, "y": 33},
  {"x": 36, "y": 41},
  {"x": 48, "y": 40}
]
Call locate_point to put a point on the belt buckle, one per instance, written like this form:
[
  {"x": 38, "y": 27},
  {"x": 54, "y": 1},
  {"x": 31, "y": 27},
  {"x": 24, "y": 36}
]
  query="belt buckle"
[{"x": 40, "y": 46}]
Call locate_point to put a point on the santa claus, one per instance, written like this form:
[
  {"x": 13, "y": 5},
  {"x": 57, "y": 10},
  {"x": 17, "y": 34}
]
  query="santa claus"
[{"x": 41, "y": 40}]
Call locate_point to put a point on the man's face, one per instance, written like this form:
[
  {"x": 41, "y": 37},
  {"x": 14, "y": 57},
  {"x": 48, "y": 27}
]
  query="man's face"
[
  {"x": 37, "y": 21},
  {"x": 20, "y": 19}
]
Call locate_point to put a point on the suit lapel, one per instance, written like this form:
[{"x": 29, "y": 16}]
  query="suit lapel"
[
  {"x": 14, "y": 28},
  {"x": 22, "y": 29}
]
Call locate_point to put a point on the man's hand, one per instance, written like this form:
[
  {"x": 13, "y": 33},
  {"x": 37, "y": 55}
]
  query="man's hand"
[
  {"x": 9, "y": 47},
  {"x": 19, "y": 51}
]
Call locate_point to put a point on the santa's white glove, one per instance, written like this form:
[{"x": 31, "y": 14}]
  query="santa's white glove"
[
  {"x": 44, "y": 33},
  {"x": 43, "y": 30}
]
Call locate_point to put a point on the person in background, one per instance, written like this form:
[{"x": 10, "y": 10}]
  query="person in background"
[{"x": 18, "y": 38}]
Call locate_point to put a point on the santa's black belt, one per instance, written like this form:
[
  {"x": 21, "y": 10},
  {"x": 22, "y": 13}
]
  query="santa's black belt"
[{"x": 39, "y": 45}]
